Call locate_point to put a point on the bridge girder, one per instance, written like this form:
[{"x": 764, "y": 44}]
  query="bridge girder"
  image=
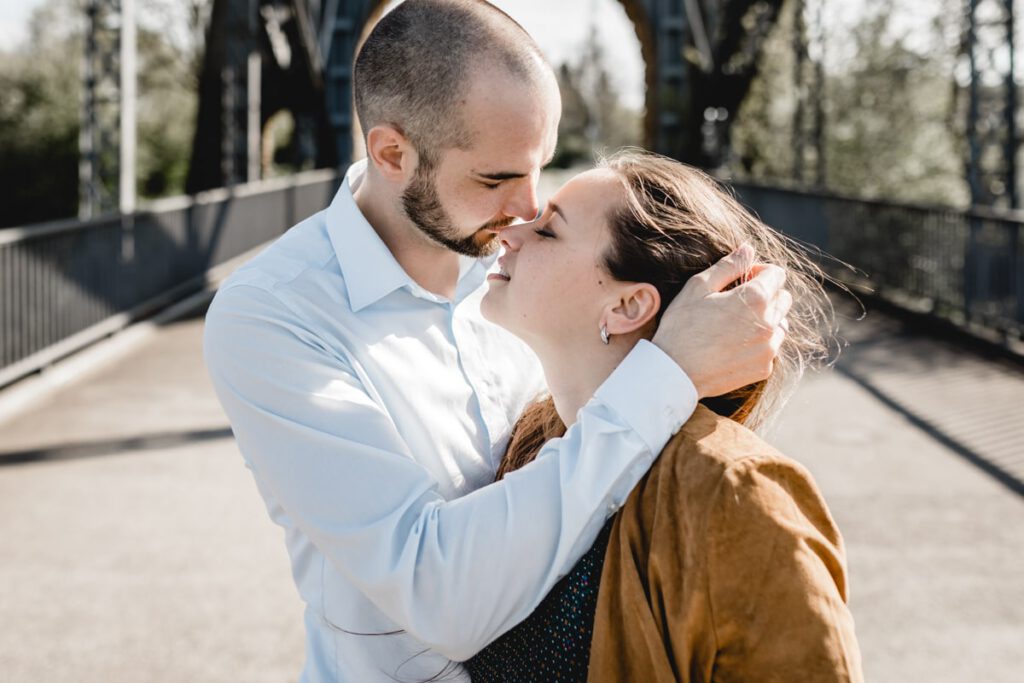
[
  {"x": 700, "y": 55},
  {"x": 992, "y": 138},
  {"x": 99, "y": 139}
]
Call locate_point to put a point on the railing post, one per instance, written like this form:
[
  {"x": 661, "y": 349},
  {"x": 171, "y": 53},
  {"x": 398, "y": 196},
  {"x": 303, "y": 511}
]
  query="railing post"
[
  {"x": 1017, "y": 275},
  {"x": 971, "y": 266},
  {"x": 126, "y": 193}
]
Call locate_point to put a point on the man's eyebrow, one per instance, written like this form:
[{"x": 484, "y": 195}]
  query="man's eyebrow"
[
  {"x": 503, "y": 175},
  {"x": 512, "y": 175}
]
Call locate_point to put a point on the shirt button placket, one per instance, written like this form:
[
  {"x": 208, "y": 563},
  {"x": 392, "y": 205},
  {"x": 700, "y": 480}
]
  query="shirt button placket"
[{"x": 468, "y": 352}]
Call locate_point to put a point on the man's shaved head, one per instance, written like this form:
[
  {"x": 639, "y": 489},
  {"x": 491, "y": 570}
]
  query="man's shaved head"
[{"x": 418, "y": 63}]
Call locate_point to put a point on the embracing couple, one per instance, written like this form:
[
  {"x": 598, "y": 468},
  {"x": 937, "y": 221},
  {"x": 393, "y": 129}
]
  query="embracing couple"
[{"x": 495, "y": 468}]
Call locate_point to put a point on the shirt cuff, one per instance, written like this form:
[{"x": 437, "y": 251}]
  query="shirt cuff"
[{"x": 651, "y": 393}]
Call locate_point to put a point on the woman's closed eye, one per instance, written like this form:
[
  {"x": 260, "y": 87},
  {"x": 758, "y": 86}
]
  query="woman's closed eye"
[{"x": 545, "y": 231}]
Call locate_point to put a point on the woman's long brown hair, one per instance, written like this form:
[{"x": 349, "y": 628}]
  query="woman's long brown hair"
[{"x": 674, "y": 222}]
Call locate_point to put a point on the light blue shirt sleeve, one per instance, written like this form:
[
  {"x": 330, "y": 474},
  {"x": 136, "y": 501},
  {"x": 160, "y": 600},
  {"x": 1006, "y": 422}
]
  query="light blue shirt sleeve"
[{"x": 454, "y": 574}]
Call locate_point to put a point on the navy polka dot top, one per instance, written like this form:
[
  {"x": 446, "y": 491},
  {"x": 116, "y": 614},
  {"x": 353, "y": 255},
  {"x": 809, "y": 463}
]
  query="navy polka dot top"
[{"x": 553, "y": 643}]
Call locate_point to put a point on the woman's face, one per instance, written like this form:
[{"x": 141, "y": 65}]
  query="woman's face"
[{"x": 552, "y": 286}]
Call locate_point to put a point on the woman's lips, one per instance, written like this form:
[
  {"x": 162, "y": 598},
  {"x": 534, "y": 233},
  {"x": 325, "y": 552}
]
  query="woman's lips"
[{"x": 502, "y": 272}]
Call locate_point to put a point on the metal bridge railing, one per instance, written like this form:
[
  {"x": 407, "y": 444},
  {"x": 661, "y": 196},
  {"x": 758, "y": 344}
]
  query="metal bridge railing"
[
  {"x": 66, "y": 284},
  {"x": 964, "y": 266}
]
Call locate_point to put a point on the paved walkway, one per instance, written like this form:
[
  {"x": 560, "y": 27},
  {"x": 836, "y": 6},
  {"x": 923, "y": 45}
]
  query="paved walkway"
[
  {"x": 137, "y": 549},
  {"x": 895, "y": 436}
]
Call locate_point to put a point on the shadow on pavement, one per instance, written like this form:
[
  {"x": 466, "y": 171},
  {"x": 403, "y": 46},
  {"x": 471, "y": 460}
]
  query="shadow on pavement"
[
  {"x": 1003, "y": 476},
  {"x": 965, "y": 394},
  {"x": 111, "y": 447}
]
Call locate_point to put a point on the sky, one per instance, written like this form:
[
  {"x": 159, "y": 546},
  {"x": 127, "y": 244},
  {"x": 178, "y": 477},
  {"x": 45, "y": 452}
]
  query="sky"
[{"x": 14, "y": 16}]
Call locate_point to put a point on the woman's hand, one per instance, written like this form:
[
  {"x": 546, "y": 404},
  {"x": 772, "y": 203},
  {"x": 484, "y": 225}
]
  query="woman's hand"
[{"x": 725, "y": 340}]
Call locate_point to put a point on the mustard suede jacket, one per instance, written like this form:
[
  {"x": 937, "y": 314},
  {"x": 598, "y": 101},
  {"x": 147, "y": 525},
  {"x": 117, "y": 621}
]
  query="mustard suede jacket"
[{"x": 724, "y": 565}]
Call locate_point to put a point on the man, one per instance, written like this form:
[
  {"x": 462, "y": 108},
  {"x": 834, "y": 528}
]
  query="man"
[{"x": 371, "y": 400}]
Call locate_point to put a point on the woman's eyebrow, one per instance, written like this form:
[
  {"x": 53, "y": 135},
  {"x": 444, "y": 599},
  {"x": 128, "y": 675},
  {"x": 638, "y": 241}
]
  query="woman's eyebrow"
[{"x": 555, "y": 208}]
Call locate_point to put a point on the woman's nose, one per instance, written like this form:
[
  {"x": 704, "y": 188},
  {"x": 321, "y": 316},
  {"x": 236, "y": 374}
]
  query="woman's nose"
[{"x": 511, "y": 237}]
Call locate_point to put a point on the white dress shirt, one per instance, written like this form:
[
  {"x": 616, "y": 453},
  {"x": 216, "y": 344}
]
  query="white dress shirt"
[{"x": 373, "y": 413}]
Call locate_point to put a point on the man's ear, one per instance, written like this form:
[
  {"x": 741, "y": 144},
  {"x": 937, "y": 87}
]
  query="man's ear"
[
  {"x": 391, "y": 153},
  {"x": 637, "y": 306}
]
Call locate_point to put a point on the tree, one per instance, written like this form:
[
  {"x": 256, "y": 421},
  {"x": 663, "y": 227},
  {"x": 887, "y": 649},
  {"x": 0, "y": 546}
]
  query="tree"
[
  {"x": 39, "y": 120},
  {"x": 721, "y": 64},
  {"x": 594, "y": 119},
  {"x": 889, "y": 105},
  {"x": 39, "y": 110}
]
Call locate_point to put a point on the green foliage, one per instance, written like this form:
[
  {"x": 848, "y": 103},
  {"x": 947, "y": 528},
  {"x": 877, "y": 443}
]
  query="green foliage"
[
  {"x": 166, "y": 116},
  {"x": 573, "y": 147},
  {"x": 762, "y": 142},
  {"x": 39, "y": 127},
  {"x": 594, "y": 119},
  {"x": 39, "y": 113},
  {"x": 889, "y": 108}
]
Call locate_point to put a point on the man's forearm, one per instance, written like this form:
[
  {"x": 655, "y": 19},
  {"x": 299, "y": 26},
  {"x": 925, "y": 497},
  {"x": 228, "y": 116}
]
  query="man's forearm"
[{"x": 453, "y": 573}]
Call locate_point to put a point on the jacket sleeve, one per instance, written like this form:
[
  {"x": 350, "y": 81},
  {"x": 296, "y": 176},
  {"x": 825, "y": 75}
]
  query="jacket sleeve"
[{"x": 777, "y": 579}]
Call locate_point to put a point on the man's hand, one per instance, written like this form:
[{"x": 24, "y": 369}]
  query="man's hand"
[{"x": 724, "y": 340}]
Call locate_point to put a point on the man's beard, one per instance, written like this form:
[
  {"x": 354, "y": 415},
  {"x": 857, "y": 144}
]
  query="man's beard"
[{"x": 423, "y": 207}]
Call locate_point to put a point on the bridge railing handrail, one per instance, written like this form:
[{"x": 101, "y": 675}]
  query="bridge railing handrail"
[
  {"x": 14, "y": 234},
  {"x": 982, "y": 212},
  {"x": 68, "y": 283},
  {"x": 962, "y": 265}
]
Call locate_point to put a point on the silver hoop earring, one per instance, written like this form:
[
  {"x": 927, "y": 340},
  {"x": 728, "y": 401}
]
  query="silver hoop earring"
[{"x": 605, "y": 337}]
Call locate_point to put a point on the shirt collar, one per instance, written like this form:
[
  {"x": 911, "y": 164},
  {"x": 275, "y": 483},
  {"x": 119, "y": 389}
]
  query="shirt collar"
[{"x": 368, "y": 266}]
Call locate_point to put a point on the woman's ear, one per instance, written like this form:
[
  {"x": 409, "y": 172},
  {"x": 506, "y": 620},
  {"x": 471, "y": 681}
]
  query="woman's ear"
[
  {"x": 391, "y": 153},
  {"x": 638, "y": 305}
]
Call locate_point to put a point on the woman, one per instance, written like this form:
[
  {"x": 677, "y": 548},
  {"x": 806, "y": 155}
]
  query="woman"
[{"x": 725, "y": 563}]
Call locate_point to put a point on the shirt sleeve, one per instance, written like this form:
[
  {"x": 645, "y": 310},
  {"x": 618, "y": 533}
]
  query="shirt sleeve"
[{"x": 454, "y": 574}]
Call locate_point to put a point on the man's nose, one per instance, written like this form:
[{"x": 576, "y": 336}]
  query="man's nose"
[{"x": 522, "y": 203}]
